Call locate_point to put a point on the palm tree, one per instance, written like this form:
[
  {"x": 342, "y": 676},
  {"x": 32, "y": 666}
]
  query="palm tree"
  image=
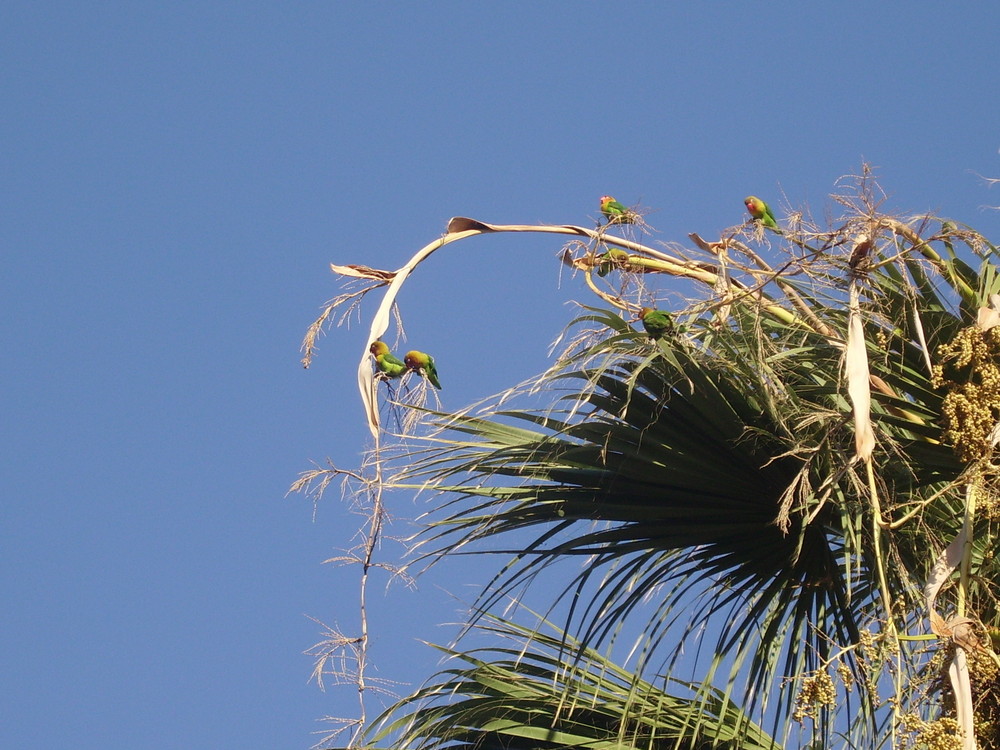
[{"x": 771, "y": 498}]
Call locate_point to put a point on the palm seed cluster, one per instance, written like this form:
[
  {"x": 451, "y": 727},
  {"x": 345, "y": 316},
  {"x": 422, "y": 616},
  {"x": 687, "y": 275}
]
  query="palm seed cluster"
[
  {"x": 933, "y": 735},
  {"x": 986, "y": 693},
  {"x": 983, "y": 671},
  {"x": 818, "y": 691},
  {"x": 969, "y": 368}
]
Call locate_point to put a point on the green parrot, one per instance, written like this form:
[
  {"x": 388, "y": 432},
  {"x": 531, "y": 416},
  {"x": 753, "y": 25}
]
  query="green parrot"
[
  {"x": 760, "y": 211},
  {"x": 420, "y": 362},
  {"x": 613, "y": 258},
  {"x": 656, "y": 322},
  {"x": 387, "y": 364},
  {"x": 615, "y": 212}
]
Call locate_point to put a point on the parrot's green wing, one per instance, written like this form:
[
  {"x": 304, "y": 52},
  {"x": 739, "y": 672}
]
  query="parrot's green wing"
[
  {"x": 768, "y": 218},
  {"x": 432, "y": 373},
  {"x": 611, "y": 259},
  {"x": 657, "y": 323},
  {"x": 390, "y": 365}
]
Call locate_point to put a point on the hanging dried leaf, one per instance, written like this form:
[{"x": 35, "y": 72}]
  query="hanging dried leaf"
[
  {"x": 856, "y": 367},
  {"x": 959, "y": 630},
  {"x": 918, "y": 326},
  {"x": 988, "y": 317},
  {"x": 945, "y": 564},
  {"x": 722, "y": 289},
  {"x": 961, "y": 686}
]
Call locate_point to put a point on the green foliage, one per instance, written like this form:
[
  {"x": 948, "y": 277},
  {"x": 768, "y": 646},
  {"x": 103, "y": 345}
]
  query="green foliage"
[
  {"x": 505, "y": 696},
  {"x": 711, "y": 485}
]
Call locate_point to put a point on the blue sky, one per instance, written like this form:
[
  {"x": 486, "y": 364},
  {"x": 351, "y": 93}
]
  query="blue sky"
[{"x": 176, "y": 179}]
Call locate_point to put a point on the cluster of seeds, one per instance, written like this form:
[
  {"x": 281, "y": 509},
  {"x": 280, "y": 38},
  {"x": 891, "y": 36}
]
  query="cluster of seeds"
[
  {"x": 817, "y": 691},
  {"x": 969, "y": 368},
  {"x": 988, "y": 504},
  {"x": 846, "y": 678},
  {"x": 934, "y": 735},
  {"x": 983, "y": 672}
]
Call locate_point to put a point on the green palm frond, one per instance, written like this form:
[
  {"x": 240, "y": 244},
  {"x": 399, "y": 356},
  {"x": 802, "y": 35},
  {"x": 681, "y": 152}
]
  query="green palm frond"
[
  {"x": 708, "y": 482},
  {"x": 684, "y": 469},
  {"x": 529, "y": 695}
]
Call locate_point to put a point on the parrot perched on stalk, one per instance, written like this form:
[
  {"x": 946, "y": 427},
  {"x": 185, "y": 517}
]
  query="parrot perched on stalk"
[
  {"x": 615, "y": 212},
  {"x": 760, "y": 211},
  {"x": 423, "y": 363},
  {"x": 613, "y": 258},
  {"x": 387, "y": 364},
  {"x": 656, "y": 322}
]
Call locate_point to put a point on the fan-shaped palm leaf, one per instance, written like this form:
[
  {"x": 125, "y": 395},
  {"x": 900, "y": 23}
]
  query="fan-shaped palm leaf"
[{"x": 521, "y": 692}]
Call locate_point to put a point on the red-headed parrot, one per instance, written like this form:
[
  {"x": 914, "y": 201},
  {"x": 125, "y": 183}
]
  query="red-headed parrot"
[
  {"x": 423, "y": 363},
  {"x": 760, "y": 211},
  {"x": 656, "y": 322},
  {"x": 387, "y": 364},
  {"x": 615, "y": 212}
]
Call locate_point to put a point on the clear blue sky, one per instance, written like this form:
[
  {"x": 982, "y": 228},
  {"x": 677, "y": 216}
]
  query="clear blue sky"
[{"x": 175, "y": 179}]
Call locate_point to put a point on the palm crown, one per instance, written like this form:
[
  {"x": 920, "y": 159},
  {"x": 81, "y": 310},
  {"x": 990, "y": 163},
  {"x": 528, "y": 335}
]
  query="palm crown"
[{"x": 769, "y": 493}]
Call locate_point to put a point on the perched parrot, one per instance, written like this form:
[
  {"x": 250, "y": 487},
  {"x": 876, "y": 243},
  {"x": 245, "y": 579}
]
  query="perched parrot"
[
  {"x": 656, "y": 322},
  {"x": 760, "y": 211},
  {"x": 424, "y": 363},
  {"x": 615, "y": 212},
  {"x": 387, "y": 364},
  {"x": 613, "y": 258}
]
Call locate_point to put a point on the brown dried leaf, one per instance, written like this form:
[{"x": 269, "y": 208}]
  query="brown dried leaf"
[
  {"x": 863, "y": 245},
  {"x": 363, "y": 272},
  {"x": 939, "y": 626},
  {"x": 963, "y": 633},
  {"x": 568, "y": 259},
  {"x": 708, "y": 247},
  {"x": 464, "y": 224}
]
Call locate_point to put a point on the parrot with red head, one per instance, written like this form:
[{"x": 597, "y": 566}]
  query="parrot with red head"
[
  {"x": 760, "y": 211},
  {"x": 615, "y": 212}
]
